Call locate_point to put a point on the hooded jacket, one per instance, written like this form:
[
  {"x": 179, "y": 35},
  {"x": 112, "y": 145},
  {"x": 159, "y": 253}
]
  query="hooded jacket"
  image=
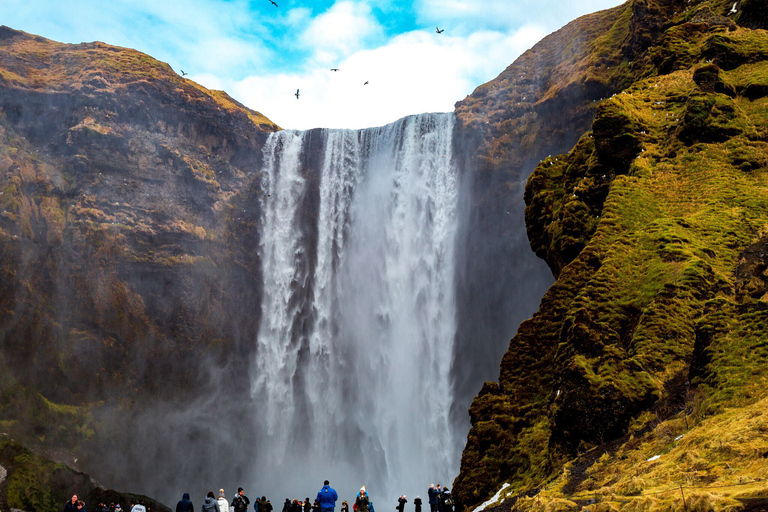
[
  {"x": 210, "y": 505},
  {"x": 223, "y": 504},
  {"x": 185, "y": 504}
]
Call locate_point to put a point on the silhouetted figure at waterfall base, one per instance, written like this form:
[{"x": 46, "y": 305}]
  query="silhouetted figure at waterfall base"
[
  {"x": 401, "y": 501},
  {"x": 344, "y": 506},
  {"x": 185, "y": 504},
  {"x": 417, "y": 504},
  {"x": 265, "y": 505},
  {"x": 307, "y": 505},
  {"x": 287, "y": 505}
]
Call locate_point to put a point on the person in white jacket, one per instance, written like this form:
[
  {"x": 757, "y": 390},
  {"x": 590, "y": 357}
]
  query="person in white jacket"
[{"x": 223, "y": 503}]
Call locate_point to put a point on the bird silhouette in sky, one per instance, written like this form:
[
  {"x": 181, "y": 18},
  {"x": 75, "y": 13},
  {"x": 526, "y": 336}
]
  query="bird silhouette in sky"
[
  {"x": 437, "y": 29},
  {"x": 273, "y": 2},
  {"x": 182, "y": 72},
  {"x": 366, "y": 82},
  {"x": 334, "y": 69},
  {"x": 297, "y": 94}
]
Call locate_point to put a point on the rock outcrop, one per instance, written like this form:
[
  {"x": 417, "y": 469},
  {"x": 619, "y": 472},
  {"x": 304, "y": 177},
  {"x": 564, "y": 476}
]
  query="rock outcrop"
[{"x": 654, "y": 332}]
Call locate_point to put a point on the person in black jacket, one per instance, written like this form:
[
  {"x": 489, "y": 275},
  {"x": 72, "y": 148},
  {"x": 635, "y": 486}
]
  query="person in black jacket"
[
  {"x": 71, "y": 505},
  {"x": 417, "y": 504},
  {"x": 185, "y": 504},
  {"x": 240, "y": 502},
  {"x": 401, "y": 501}
]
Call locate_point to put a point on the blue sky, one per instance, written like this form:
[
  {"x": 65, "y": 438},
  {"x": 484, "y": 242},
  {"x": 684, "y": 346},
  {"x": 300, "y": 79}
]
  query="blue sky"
[{"x": 260, "y": 54}]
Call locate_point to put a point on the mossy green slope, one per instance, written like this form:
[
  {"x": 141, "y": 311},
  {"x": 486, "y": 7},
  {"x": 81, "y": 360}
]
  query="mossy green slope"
[
  {"x": 36, "y": 484},
  {"x": 655, "y": 225}
]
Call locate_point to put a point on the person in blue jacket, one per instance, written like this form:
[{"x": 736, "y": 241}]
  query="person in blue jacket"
[{"x": 327, "y": 497}]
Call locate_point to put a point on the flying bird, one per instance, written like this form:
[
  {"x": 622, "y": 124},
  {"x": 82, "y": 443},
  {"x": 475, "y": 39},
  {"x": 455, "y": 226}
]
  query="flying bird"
[
  {"x": 334, "y": 69},
  {"x": 733, "y": 9},
  {"x": 437, "y": 29},
  {"x": 297, "y": 94},
  {"x": 273, "y": 2},
  {"x": 182, "y": 72},
  {"x": 366, "y": 82}
]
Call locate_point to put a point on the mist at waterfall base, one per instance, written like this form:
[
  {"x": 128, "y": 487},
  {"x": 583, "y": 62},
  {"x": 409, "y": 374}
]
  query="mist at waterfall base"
[{"x": 353, "y": 378}]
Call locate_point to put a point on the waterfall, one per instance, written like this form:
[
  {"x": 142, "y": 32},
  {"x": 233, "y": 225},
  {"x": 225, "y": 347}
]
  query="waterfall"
[{"x": 351, "y": 374}]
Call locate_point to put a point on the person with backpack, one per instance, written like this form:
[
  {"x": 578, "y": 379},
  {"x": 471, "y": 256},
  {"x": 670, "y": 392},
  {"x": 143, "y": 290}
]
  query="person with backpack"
[
  {"x": 447, "y": 500},
  {"x": 240, "y": 502}
]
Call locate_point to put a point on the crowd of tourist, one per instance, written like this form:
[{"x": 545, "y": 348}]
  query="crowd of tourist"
[{"x": 440, "y": 500}]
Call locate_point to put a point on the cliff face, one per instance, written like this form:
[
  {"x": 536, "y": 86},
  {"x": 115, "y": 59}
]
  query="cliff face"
[
  {"x": 652, "y": 339},
  {"x": 122, "y": 238}
]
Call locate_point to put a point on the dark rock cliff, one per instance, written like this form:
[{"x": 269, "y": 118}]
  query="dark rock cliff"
[
  {"x": 123, "y": 238},
  {"x": 652, "y": 224}
]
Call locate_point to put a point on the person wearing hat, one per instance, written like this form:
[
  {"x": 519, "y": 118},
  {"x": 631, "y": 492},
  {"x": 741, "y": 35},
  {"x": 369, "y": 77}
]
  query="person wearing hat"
[
  {"x": 240, "y": 502},
  {"x": 362, "y": 500},
  {"x": 417, "y": 504},
  {"x": 223, "y": 503}
]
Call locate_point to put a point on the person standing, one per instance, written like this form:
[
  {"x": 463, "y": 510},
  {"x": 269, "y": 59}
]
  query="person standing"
[
  {"x": 344, "y": 506},
  {"x": 401, "y": 501},
  {"x": 447, "y": 500},
  {"x": 432, "y": 495},
  {"x": 327, "y": 497},
  {"x": 210, "y": 504},
  {"x": 223, "y": 503},
  {"x": 185, "y": 504},
  {"x": 139, "y": 507},
  {"x": 362, "y": 500},
  {"x": 417, "y": 504},
  {"x": 71, "y": 505},
  {"x": 265, "y": 505},
  {"x": 240, "y": 502}
]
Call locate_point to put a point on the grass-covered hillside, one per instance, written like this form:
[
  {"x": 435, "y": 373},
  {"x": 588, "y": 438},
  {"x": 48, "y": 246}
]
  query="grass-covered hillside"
[{"x": 645, "y": 368}]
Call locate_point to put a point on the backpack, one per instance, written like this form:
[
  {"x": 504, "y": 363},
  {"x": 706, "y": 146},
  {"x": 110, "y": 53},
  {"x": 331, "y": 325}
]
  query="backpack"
[{"x": 238, "y": 503}]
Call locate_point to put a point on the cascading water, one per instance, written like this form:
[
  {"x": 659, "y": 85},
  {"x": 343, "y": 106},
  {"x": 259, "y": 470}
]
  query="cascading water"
[{"x": 351, "y": 378}]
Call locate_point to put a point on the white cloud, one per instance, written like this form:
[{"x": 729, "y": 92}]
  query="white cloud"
[
  {"x": 415, "y": 72},
  {"x": 261, "y": 54},
  {"x": 346, "y": 27}
]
